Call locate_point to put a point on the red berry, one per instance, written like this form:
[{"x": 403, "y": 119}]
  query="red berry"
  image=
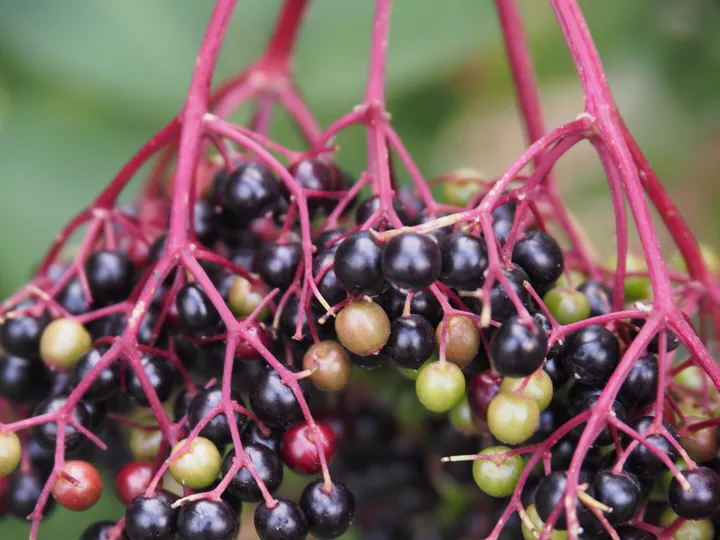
[
  {"x": 83, "y": 491},
  {"x": 483, "y": 388},
  {"x": 132, "y": 480},
  {"x": 299, "y": 450},
  {"x": 245, "y": 351}
]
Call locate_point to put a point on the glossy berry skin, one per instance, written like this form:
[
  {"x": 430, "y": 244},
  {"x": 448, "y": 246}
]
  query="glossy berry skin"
[
  {"x": 20, "y": 336},
  {"x": 106, "y": 385},
  {"x": 423, "y": 303},
  {"x": 207, "y": 520},
  {"x": 299, "y": 447},
  {"x": 250, "y": 191},
  {"x": 541, "y": 257},
  {"x": 267, "y": 465},
  {"x": 583, "y": 398},
  {"x": 518, "y": 350},
  {"x": 111, "y": 276},
  {"x": 329, "y": 285},
  {"x": 464, "y": 261},
  {"x": 591, "y": 354},
  {"x": 313, "y": 174},
  {"x": 284, "y": 521},
  {"x": 273, "y": 401},
  {"x": 23, "y": 493},
  {"x": 672, "y": 342},
  {"x": 218, "y": 429},
  {"x": 555, "y": 369},
  {"x": 204, "y": 222},
  {"x": 501, "y": 307},
  {"x": 277, "y": 263},
  {"x": 599, "y": 295},
  {"x": 411, "y": 261},
  {"x": 329, "y": 513},
  {"x": 132, "y": 480},
  {"x": 195, "y": 313},
  {"x": 640, "y": 387},
  {"x": 162, "y": 377},
  {"x": 73, "y": 299},
  {"x": 550, "y": 491},
  {"x": 411, "y": 343},
  {"x": 628, "y": 532},
  {"x": 253, "y": 434},
  {"x": 23, "y": 379},
  {"x": 483, "y": 388},
  {"x": 99, "y": 531},
  {"x": 641, "y": 460},
  {"x": 46, "y": 434},
  {"x": 358, "y": 265},
  {"x": 621, "y": 492},
  {"x": 702, "y": 501},
  {"x": 151, "y": 517},
  {"x": 371, "y": 205},
  {"x": 83, "y": 496}
]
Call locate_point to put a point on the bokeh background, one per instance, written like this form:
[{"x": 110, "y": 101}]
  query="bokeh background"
[{"x": 84, "y": 82}]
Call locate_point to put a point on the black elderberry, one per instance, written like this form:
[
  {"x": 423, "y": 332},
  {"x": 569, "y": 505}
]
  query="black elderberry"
[
  {"x": 289, "y": 318},
  {"x": 464, "y": 261},
  {"x": 20, "y": 336},
  {"x": 329, "y": 239},
  {"x": 151, "y": 517},
  {"x": 411, "y": 261},
  {"x": 46, "y": 434},
  {"x": 111, "y": 276},
  {"x": 671, "y": 341},
  {"x": 582, "y": 398},
  {"x": 371, "y": 206},
  {"x": 277, "y": 263},
  {"x": 23, "y": 379},
  {"x": 72, "y": 298},
  {"x": 329, "y": 285},
  {"x": 703, "y": 499},
  {"x": 313, "y": 174},
  {"x": 541, "y": 257},
  {"x": 591, "y": 354},
  {"x": 98, "y": 530},
  {"x": 643, "y": 461},
  {"x": 162, "y": 375},
  {"x": 267, "y": 465},
  {"x": 107, "y": 382},
  {"x": 640, "y": 386},
  {"x": 411, "y": 343},
  {"x": 518, "y": 349},
  {"x": 253, "y": 434},
  {"x": 503, "y": 218},
  {"x": 196, "y": 314},
  {"x": 273, "y": 401},
  {"x": 218, "y": 428},
  {"x": 206, "y": 519},
  {"x": 423, "y": 303},
  {"x": 501, "y": 306},
  {"x": 250, "y": 191},
  {"x": 284, "y": 521},
  {"x": 358, "y": 264},
  {"x": 550, "y": 492},
  {"x": 23, "y": 493},
  {"x": 621, "y": 492},
  {"x": 599, "y": 295},
  {"x": 204, "y": 222},
  {"x": 329, "y": 510}
]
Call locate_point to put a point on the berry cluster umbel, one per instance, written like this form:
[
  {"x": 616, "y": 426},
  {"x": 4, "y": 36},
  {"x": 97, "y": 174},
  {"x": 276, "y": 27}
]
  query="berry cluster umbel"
[{"x": 206, "y": 337}]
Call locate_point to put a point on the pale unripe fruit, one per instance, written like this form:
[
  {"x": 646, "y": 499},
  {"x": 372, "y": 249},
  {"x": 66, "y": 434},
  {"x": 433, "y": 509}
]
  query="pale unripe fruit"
[{"x": 63, "y": 342}]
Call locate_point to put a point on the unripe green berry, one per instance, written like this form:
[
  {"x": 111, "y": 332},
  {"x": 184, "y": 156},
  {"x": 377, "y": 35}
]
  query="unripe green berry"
[
  {"x": 567, "y": 305},
  {"x": 539, "y": 388},
  {"x": 528, "y": 534},
  {"x": 198, "y": 466},
  {"x": 636, "y": 287},
  {"x": 498, "y": 477},
  {"x": 440, "y": 386},
  {"x": 512, "y": 418},
  {"x": 10, "y": 453},
  {"x": 701, "y": 529}
]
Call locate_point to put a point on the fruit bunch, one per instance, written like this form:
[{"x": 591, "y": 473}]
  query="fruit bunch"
[{"x": 262, "y": 333}]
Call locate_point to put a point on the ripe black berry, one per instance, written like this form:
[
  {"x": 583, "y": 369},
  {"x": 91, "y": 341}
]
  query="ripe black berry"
[
  {"x": 329, "y": 512},
  {"x": 24, "y": 491},
  {"x": 217, "y": 429},
  {"x": 518, "y": 350},
  {"x": 162, "y": 375},
  {"x": 284, "y": 521},
  {"x": 253, "y": 434},
  {"x": 621, "y": 492},
  {"x": 642, "y": 461},
  {"x": 591, "y": 354},
  {"x": 207, "y": 520},
  {"x": 628, "y": 532},
  {"x": 204, "y": 222},
  {"x": 105, "y": 385},
  {"x": 273, "y": 401},
  {"x": 151, "y": 517},
  {"x": 371, "y": 205},
  {"x": 277, "y": 263},
  {"x": 423, "y": 303},
  {"x": 267, "y": 465},
  {"x": 329, "y": 285},
  {"x": 503, "y": 217},
  {"x": 411, "y": 261},
  {"x": 98, "y": 530},
  {"x": 703, "y": 499},
  {"x": 73, "y": 299},
  {"x": 358, "y": 264},
  {"x": 671, "y": 341},
  {"x": 23, "y": 379},
  {"x": 550, "y": 491},
  {"x": 582, "y": 398},
  {"x": 20, "y": 336},
  {"x": 501, "y": 307},
  {"x": 196, "y": 314},
  {"x": 599, "y": 295},
  {"x": 111, "y": 276},
  {"x": 46, "y": 434},
  {"x": 464, "y": 261},
  {"x": 541, "y": 257},
  {"x": 313, "y": 174},
  {"x": 640, "y": 387},
  {"x": 411, "y": 343},
  {"x": 250, "y": 191}
]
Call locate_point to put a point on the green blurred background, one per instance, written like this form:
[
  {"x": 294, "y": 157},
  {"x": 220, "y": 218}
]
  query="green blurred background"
[{"x": 84, "y": 82}]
